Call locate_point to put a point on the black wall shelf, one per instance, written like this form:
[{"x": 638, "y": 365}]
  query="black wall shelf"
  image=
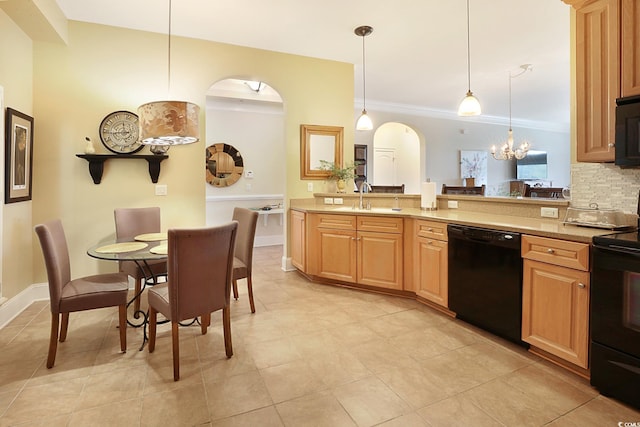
[{"x": 96, "y": 163}]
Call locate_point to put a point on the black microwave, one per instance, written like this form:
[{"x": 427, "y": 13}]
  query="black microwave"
[{"x": 628, "y": 131}]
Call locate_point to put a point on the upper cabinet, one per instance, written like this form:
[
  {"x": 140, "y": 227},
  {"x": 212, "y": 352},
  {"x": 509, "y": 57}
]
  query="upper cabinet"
[
  {"x": 630, "y": 47},
  {"x": 607, "y": 55}
]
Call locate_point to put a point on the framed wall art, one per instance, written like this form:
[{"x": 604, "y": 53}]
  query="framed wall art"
[{"x": 18, "y": 156}]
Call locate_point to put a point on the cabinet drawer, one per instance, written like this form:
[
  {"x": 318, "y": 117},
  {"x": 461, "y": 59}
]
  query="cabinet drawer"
[
  {"x": 336, "y": 222},
  {"x": 557, "y": 252},
  {"x": 431, "y": 229},
  {"x": 380, "y": 224}
]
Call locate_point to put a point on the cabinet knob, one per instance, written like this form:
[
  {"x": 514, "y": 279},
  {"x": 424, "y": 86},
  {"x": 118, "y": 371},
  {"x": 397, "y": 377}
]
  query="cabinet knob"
[
  {"x": 611, "y": 145},
  {"x": 550, "y": 251},
  {"x": 429, "y": 242},
  {"x": 429, "y": 230},
  {"x": 581, "y": 285}
]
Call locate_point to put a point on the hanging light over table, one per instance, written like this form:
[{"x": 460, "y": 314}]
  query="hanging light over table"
[
  {"x": 364, "y": 122},
  {"x": 506, "y": 151},
  {"x": 169, "y": 122},
  {"x": 470, "y": 106}
]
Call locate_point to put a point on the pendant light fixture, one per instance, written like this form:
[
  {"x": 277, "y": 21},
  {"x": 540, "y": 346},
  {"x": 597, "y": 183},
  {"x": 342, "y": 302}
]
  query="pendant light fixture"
[
  {"x": 169, "y": 122},
  {"x": 506, "y": 151},
  {"x": 470, "y": 106},
  {"x": 364, "y": 122}
]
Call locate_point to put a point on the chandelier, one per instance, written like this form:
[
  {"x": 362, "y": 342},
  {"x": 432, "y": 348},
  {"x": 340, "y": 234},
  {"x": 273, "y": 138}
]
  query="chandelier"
[
  {"x": 364, "y": 122},
  {"x": 507, "y": 151}
]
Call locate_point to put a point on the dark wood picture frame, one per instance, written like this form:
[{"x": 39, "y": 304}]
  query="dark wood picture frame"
[{"x": 18, "y": 156}]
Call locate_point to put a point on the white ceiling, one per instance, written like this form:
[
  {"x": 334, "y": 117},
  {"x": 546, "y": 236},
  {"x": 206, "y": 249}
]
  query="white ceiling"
[{"x": 416, "y": 57}]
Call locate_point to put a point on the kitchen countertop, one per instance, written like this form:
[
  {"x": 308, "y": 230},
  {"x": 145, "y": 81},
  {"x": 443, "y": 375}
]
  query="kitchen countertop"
[{"x": 553, "y": 228}]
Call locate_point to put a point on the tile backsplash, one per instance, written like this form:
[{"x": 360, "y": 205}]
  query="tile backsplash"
[{"x": 610, "y": 186}]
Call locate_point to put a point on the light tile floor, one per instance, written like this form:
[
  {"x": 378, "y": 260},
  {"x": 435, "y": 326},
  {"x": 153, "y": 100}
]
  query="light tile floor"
[{"x": 311, "y": 355}]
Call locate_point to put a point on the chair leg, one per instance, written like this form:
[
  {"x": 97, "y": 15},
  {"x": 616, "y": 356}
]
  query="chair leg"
[
  {"x": 250, "y": 288},
  {"x": 226, "y": 326},
  {"x": 176, "y": 350},
  {"x": 64, "y": 327},
  {"x": 136, "y": 303},
  {"x": 235, "y": 289},
  {"x": 122, "y": 325},
  {"x": 205, "y": 321},
  {"x": 53, "y": 340},
  {"x": 153, "y": 316}
]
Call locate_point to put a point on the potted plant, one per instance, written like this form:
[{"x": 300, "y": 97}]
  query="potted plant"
[{"x": 339, "y": 174}]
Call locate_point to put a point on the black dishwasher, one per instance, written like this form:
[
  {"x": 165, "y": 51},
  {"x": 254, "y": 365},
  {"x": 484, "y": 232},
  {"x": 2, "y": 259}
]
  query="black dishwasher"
[{"x": 485, "y": 279}]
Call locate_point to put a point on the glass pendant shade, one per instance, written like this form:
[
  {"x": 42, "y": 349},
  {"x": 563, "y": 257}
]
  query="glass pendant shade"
[
  {"x": 364, "y": 122},
  {"x": 470, "y": 106},
  {"x": 169, "y": 123}
]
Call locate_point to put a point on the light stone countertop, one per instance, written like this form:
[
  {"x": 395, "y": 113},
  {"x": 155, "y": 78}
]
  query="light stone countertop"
[{"x": 553, "y": 228}]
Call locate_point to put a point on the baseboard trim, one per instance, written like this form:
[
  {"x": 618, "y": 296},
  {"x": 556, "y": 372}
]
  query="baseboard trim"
[{"x": 16, "y": 305}]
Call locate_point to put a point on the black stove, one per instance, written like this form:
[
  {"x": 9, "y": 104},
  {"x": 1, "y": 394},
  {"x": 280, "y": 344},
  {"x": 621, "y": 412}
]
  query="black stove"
[{"x": 626, "y": 240}]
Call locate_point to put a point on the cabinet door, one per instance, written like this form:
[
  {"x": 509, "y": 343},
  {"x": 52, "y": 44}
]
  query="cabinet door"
[
  {"x": 555, "y": 311},
  {"x": 298, "y": 240},
  {"x": 380, "y": 259},
  {"x": 432, "y": 270},
  {"x": 630, "y": 47},
  {"x": 597, "y": 79},
  {"x": 336, "y": 254}
]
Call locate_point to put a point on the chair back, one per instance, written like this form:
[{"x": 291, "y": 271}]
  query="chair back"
[
  {"x": 387, "y": 188},
  {"x": 131, "y": 222},
  {"x": 247, "y": 221},
  {"x": 545, "y": 192},
  {"x": 200, "y": 265},
  {"x": 56, "y": 259},
  {"x": 449, "y": 189}
]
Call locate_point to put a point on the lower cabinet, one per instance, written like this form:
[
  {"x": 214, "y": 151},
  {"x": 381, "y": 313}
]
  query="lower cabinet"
[
  {"x": 555, "y": 300},
  {"x": 431, "y": 261},
  {"x": 366, "y": 250},
  {"x": 298, "y": 240}
]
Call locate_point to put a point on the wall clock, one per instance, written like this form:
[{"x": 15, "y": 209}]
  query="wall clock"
[{"x": 119, "y": 132}]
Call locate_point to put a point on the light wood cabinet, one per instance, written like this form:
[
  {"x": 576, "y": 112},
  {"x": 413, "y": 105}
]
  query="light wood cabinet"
[
  {"x": 555, "y": 299},
  {"x": 630, "y": 47},
  {"x": 366, "y": 250},
  {"x": 298, "y": 240},
  {"x": 431, "y": 261},
  {"x": 597, "y": 78}
]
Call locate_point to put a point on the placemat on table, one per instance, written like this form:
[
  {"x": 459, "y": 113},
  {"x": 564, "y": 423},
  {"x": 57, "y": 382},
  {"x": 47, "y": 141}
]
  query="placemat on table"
[
  {"x": 151, "y": 237},
  {"x": 161, "y": 249},
  {"x": 117, "y": 248}
]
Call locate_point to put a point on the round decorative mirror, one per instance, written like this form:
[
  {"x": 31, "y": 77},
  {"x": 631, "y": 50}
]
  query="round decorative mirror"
[{"x": 223, "y": 164}]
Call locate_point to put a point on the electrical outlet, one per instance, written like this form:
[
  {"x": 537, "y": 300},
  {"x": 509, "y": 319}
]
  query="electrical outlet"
[
  {"x": 549, "y": 212},
  {"x": 328, "y": 201},
  {"x": 310, "y": 187},
  {"x": 161, "y": 190},
  {"x": 452, "y": 204},
  {"x": 338, "y": 201}
]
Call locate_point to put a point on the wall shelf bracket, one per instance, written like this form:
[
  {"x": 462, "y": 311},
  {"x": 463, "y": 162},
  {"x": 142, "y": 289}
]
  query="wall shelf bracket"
[{"x": 96, "y": 163}]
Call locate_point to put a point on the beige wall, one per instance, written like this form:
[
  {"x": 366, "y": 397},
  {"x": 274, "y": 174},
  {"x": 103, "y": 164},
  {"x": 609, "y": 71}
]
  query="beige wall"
[
  {"x": 16, "y": 77},
  {"x": 104, "y": 69}
]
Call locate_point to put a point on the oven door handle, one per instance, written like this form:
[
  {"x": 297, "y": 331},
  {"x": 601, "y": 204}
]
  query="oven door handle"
[{"x": 620, "y": 250}]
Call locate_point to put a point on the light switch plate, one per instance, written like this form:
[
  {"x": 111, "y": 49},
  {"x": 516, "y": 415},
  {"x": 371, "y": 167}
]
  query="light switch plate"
[
  {"x": 161, "y": 190},
  {"x": 310, "y": 186},
  {"x": 328, "y": 201},
  {"x": 452, "y": 204},
  {"x": 338, "y": 201}
]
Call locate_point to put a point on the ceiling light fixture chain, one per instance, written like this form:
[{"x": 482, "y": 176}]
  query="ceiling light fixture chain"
[
  {"x": 364, "y": 122},
  {"x": 506, "y": 151}
]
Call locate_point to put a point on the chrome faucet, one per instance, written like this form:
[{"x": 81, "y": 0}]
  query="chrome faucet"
[{"x": 364, "y": 186}]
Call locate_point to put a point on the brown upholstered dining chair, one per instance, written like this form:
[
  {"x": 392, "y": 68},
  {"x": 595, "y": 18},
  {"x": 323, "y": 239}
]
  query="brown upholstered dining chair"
[
  {"x": 85, "y": 293},
  {"x": 200, "y": 263},
  {"x": 243, "y": 259},
  {"x": 131, "y": 222}
]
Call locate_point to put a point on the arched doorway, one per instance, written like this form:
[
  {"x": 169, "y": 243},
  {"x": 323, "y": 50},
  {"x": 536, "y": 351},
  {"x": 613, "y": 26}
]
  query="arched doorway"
[
  {"x": 398, "y": 157},
  {"x": 246, "y": 118}
]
